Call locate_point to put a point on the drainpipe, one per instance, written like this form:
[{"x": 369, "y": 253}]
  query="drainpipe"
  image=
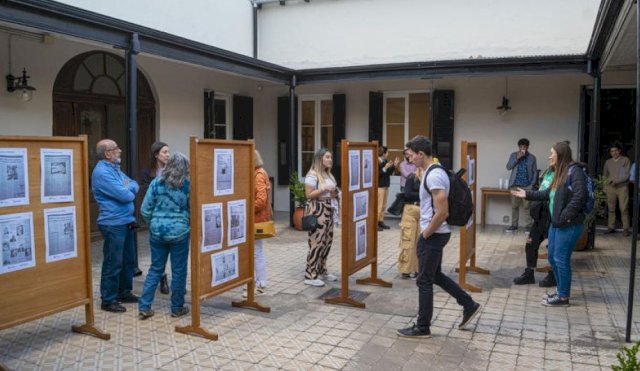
[
  {"x": 255, "y": 30},
  {"x": 634, "y": 198},
  {"x": 292, "y": 140},
  {"x": 594, "y": 128},
  {"x": 131, "y": 70}
]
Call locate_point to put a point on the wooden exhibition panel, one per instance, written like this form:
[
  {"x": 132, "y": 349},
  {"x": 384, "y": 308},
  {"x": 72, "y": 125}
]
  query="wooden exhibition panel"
[
  {"x": 469, "y": 161},
  {"x": 50, "y": 287},
  {"x": 202, "y": 169},
  {"x": 350, "y": 264}
]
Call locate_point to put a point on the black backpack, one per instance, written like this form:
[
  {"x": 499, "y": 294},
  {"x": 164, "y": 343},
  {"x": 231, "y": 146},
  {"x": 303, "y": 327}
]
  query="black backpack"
[{"x": 460, "y": 199}]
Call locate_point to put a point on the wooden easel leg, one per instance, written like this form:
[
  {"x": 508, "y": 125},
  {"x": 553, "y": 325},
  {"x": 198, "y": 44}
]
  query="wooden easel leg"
[
  {"x": 195, "y": 328},
  {"x": 374, "y": 280},
  {"x": 250, "y": 301},
  {"x": 470, "y": 287},
  {"x": 89, "y": 328},
  {"x": 479, "y": 270},
  {"x": 343, "y": 298}
]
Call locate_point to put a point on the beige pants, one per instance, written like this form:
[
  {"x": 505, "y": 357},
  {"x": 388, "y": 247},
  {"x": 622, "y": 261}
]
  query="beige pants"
[
  {"x": 409, "y": 231},
  {"x": 383, "y": 194},
  {"x": 516, "y": 202},
  {"x": 620, "y": 194}
]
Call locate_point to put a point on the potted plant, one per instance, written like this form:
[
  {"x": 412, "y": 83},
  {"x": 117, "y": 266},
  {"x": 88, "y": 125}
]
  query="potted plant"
[
  {"x": 300, "y": 199},
  {"x": 587, "y": 239}
]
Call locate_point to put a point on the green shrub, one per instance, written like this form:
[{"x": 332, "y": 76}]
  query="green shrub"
[{"x": 627, "y": 359}]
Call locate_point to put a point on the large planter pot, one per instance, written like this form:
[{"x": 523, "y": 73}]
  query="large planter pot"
[{"x": 298, "y": 213}]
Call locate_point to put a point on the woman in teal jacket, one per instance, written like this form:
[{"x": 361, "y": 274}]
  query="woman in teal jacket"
[{"x": 166, "y": 210}]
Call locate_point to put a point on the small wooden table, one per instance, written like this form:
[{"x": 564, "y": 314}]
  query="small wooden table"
[{"x": 485, "y": 193}]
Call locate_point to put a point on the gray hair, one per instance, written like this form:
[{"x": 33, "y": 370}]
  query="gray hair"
[{"x": 176, "y": 171}]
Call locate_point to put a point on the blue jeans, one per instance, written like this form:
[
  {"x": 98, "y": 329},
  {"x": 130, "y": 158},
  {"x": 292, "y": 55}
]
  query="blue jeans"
[
  {"x": 561, "y": 243},
  {"x": 160, "y": 251},
  {"x": 117, "y": 263},
  {"x": 430, "y": 272}
]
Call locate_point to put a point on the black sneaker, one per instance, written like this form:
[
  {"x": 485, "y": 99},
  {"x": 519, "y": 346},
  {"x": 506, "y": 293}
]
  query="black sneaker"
[
  {"x": 414, "y": 332},
  {"x": 548, "y": 281},
  {"x": 468, "y": 315},
  {"x": 525, "y": 278},
  {"x": 384, "y": 226},
  {"x": 405, "y": 276},
  {"x": 128, "y": 298},
  {"x": 511, "y": 229},
  {"x": 113, "y": 307},
  {"x": 180, "y": 312},
  {"x": 137, "y": 272},
  {"x": 556, "y": 301}
]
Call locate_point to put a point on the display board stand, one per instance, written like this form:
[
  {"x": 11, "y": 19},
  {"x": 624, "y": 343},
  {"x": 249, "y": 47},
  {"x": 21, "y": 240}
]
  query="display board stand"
[
  {"x": 356, "y": 252},
  {"x": 469, "y": 161},
  {"x": 210, "y": 168},
  {"x": 37, "y": 281}
]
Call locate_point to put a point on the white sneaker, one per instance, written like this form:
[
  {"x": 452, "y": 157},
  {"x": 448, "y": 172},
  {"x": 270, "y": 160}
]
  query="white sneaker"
[
  {"x": 316, "y": 282},
  {"x": 260, "y": 290},
  {"x": 329, "y": 277}
]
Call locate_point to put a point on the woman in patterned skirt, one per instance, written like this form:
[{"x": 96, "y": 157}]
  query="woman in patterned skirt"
[{"x": 321, "y": 191}]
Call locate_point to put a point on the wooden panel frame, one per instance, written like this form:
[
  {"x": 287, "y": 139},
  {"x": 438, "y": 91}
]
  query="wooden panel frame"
[
  {"x": 202, "y": 170},
  {"x": 349, "y": 263},
  {"x": 27, "y": 294},
  {"x": 468, "y": 232}
]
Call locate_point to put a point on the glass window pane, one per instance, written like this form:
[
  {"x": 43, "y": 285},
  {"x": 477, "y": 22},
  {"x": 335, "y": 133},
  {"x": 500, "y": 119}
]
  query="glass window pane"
[
  {"x": 326, "y": 137},
  {"x": 220, "y": 132},
  {"x": 106, "y": 86},
  {"x": 326, "y": 112},
  {"x": 395, "y": 110},
  {"x": 220, "y": 111},
  {"x": 307, "y": 159},
  {"x": 114, "y": 67},
  {"x": 308, "y": 112},
  {"x": 82, "y": 80},
  {"x": 395, "y": 137},
  {"x": 307, "y": 138},
  {"x": 95, "y": 64}
]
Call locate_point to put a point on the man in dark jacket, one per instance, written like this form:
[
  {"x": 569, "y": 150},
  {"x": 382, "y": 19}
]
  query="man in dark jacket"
[
  {"x": 523, "y": 167},
  {"x": 385, "y": 170}
]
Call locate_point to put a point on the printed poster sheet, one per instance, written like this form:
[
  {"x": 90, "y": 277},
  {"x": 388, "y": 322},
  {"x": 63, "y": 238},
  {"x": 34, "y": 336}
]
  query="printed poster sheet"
[
  {"x": 237, "y": 214},
  {"x": 361, "y": 240},
  {"x": 354, "y": 170},
  {"x": 56, "y": 169},
  {"x": 224, "y": 266},
  {"x": 360, "y": 205},
  {"x": 60, "y": 233},
  {"x": 367, "y": 168},
  {"x": 212, "y": 227},
  {"x": 14, "y": 177},
  {"x": 223, "y": 171},
  {"x": 17, "y": 242}
]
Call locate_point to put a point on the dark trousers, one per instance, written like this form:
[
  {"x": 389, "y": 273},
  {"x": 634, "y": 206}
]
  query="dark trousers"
[
  {"x": 429, "y": 273},
  {"x": 536, "y": 236}
]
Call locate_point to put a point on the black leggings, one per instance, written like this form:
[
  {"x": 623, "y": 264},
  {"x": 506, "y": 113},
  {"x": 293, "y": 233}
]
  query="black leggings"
[{"x": 537, "y": 234}]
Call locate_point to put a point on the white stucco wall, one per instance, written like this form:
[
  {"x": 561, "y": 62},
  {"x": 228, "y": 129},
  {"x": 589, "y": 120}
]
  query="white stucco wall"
[
  {"x": 325, "y": 33},
  {"x": 226, "y": 24}
]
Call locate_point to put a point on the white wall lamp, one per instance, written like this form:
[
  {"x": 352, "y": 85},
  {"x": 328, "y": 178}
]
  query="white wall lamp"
[
  {"x": 20, "y": 84},
  {"x": 504, "y": 107}
]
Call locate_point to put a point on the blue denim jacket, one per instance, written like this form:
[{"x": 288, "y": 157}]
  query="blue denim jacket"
[{"x": 114, "y": 197}]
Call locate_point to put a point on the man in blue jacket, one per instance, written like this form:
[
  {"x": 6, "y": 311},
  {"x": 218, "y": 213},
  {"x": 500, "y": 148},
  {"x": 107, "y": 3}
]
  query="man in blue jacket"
[
  {"x": 524, "y": 174},
  {"x": 115, "y": 193}
]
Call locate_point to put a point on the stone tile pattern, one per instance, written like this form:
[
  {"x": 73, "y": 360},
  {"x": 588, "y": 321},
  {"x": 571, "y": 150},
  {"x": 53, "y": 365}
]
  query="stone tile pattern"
[{"x": 302, "y": 333}]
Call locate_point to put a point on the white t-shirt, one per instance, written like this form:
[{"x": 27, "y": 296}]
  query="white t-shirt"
[
  {"x": 438, "y": 179},
  {"x": 312, "y": 180}
]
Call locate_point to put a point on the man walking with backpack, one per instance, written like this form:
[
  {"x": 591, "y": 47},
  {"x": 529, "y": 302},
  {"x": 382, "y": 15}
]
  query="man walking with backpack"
[{"x": 435, "y": 233}]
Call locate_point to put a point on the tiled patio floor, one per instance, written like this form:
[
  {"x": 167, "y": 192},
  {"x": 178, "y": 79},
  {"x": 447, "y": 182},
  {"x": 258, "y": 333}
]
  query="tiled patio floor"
[{"x": 513, "y": 331}]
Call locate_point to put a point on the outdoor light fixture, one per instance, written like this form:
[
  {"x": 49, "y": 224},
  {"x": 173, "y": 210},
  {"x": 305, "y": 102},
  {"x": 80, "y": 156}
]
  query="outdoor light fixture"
[
  {"x": 20, "y": 84},
  {"x": 504, "y": 107}
]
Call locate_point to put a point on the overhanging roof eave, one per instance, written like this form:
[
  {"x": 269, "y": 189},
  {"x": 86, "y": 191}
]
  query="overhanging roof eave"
[
  {"x": 67, "y": 20},
  {"x": 469, "y": 67}
]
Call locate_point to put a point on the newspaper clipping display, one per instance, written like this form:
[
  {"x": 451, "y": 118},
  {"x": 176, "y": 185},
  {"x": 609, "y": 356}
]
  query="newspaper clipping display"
[
  {"x": 361, "y": 239},
  {"x": 14, "y": 177},
  {"x": 223, "y": 171},
  {"x": 57, "y": 175},
  {"x": 17, "y": 242},
  {"x": 367, "y": 168},
  {"x": 60, "y": 233},
  {"x": 354, "y": 170},
  {"x": 224, "y": 266},
  {"x": 212, "y": 227},
  {"x": 360, "y": 205},
  {"x": 237, "y": 214}
]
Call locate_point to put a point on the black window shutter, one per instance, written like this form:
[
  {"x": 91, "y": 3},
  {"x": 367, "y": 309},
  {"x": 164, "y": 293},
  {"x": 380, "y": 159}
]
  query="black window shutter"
[
  {"x": 242, "y": 117},
  {"x": 208, "y": 114},
  {"x": 376, "y": 102},
  {"x": 442, "y": 135},
  {"x": 339, "y": 132},
  {"x": 283, "y": 139}
]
